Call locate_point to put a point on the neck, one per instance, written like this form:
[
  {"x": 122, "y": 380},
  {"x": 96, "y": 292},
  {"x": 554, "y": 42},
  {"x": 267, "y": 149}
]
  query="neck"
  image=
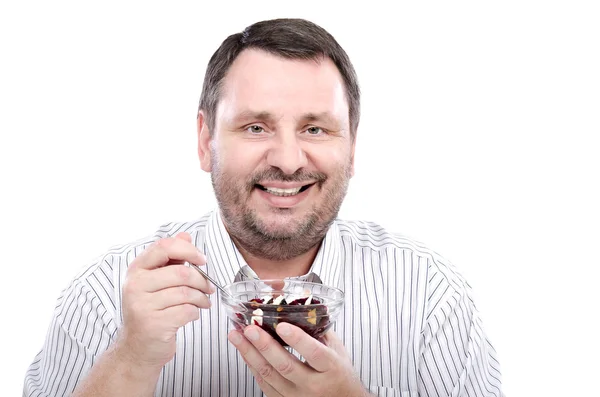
[{"x": 279, "y": 269}]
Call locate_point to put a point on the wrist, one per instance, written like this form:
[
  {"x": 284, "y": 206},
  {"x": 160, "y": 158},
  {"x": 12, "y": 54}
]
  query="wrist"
[
  {"x": 117, "y": 373},
  {"x": 131, "y": 367}
]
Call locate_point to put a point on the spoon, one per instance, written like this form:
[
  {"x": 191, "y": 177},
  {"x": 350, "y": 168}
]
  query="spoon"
[
  {"x": 213, "y": 281},
  {"x": 206, "y": 276}
]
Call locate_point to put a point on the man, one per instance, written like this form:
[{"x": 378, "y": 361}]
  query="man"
[{"x": 277, "y": 123}]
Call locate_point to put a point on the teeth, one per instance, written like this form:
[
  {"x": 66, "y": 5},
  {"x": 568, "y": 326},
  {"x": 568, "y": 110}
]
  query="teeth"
[{"x": 283, "y": 192}]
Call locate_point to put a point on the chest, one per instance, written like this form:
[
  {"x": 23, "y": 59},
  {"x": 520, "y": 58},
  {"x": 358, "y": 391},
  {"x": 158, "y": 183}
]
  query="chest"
[{"x": 379, "y": 326}]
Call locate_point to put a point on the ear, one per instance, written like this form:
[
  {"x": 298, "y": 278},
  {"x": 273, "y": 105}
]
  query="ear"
[
  {"x": 204, "y": 138},
  {"x": 353, "y": 150}
]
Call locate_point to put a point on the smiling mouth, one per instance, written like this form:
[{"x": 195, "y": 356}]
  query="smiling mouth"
[{"x": 284, "y": 192}]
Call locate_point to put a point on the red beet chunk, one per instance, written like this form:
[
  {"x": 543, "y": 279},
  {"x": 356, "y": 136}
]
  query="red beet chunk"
[
  {"x": 300, "y": 301},
  {"x": 312, "y": 319}
]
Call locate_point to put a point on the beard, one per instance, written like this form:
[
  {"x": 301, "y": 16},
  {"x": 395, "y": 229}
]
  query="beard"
[{"x": 289, "y": 236}]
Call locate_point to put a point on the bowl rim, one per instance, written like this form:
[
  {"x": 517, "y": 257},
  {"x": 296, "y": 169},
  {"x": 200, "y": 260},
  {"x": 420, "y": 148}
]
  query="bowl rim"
[{"x": 331, "y": 301}]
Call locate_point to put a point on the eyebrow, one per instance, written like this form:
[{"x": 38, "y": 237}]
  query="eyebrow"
[
  {"x": 269, "y": 118},
  {"x": 325, "y": 117},
  {"x": 249, "y": 115}
]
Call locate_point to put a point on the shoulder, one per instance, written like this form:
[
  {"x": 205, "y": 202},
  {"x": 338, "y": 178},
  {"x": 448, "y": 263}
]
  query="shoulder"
[
  {"x": 100, "y": 282},
  {"x": 118, "y": 257},
  {"x": 375, "y": 237}
]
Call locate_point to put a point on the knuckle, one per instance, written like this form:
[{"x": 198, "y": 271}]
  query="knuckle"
[
  {"x": 189, "y": 313},
  {"x": 203, "y": 301},
  {"x": 163, "y": 242},
  {"x": 134, "y": 264},
  {"x": 195, "y": 315},
  {"x": 154, "y": 254},
  {"x": 285, "y": 368},
  {"x": 266, "y": 371},
  {"x": 184, "y": 293},
  {"x": 130, "y": 286},
  {"x": 316, "y": 353},
  {"x": 162, "y": 255},
  {"x": 183, "y": 273},
  {"x": 244, "y": 349},
  {"x": 160, "y": 248},
  {"x": 152, "y": 249},
  {"x": 263, "y": 347},
  {"x": 191, "y": 310}
]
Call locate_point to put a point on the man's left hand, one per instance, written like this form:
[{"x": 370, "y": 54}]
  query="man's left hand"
[{"x": 326, "y": 372}]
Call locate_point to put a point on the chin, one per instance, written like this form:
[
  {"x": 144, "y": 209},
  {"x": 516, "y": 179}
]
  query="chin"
[{"x": 281, "y": 222}]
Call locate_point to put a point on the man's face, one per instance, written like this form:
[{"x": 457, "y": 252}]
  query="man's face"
[{"x": 281, "y": 154}]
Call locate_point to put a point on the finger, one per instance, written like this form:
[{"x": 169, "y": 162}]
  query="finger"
[
  {"x": 255, "y": 360},
  {"x": 184, "y": 236},
  {"x": 266, "y": 388},
  {"x": 165, "y": 250},
  {"x": 316, "y": 354},
  {"x": 173, "y": 276},
  {"x": 286, "y": 364},
  {"x": 178, "y": 316},
  {"x": 176, "y": 296},
  {"x": 331, "y": 340}
]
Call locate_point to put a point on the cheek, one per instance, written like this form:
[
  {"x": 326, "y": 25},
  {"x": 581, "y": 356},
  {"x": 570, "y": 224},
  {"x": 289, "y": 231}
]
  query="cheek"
[
  {"x": 330, "y": 160},
  {"x": 239, "y": 157}
]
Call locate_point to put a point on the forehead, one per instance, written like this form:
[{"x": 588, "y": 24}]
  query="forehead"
[{"x": 262, "y": 82}]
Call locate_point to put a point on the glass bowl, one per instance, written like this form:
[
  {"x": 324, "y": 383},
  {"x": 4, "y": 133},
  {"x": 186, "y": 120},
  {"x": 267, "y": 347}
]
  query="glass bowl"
[{"x": 312, "y": 307}]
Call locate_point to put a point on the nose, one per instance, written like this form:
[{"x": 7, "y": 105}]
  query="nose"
[{"x": 287, "y": 154}]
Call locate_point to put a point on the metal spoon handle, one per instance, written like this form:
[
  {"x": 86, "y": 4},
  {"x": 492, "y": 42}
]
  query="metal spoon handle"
[{"x": 206, "y": 276}]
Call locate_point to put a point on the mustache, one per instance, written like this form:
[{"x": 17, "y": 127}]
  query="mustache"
[{"x": 275, "y": 174}]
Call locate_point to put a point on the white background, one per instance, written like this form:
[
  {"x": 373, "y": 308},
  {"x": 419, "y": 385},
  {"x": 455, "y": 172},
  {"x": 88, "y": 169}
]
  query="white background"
[{"x": 478, "y": 138}]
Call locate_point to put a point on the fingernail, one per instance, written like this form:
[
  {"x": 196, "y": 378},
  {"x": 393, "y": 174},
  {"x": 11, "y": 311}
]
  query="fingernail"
[
  {"x": 201, "y": 255},
  {"x": 212, "y": 288},
  {"x": 284, "y": 329},
  {"x": 251, "y": 334},
  {"x": 235, "y": 338}
]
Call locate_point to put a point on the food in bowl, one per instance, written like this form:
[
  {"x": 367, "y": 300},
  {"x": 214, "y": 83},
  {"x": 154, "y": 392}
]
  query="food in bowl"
[{"x": 266, "y": 303}]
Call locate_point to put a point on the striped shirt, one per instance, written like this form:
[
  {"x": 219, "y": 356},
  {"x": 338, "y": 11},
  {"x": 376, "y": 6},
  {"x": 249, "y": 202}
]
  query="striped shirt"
[{"x": 409, "y": 323}]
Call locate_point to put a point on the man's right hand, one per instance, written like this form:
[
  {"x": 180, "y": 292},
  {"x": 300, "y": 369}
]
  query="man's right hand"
[{"x": 160, "y": 295}]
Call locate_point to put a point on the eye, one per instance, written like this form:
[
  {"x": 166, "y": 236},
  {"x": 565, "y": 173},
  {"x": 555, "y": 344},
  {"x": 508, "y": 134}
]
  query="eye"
[
  {"x": 314, "y": 130},
  {"x": 255, "y": 129}
]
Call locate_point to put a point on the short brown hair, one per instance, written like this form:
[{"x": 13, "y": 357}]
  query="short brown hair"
[{"x": 288, "y": 38}]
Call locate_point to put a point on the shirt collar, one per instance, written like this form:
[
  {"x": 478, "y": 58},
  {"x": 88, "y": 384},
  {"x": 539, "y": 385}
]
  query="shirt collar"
[{"x": 226, "y": 263}]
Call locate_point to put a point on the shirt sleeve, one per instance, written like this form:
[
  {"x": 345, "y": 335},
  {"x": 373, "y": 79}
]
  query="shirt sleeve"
[
  {"x": 81, "y": 329},
  {"x": 457, "y": 358}
]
